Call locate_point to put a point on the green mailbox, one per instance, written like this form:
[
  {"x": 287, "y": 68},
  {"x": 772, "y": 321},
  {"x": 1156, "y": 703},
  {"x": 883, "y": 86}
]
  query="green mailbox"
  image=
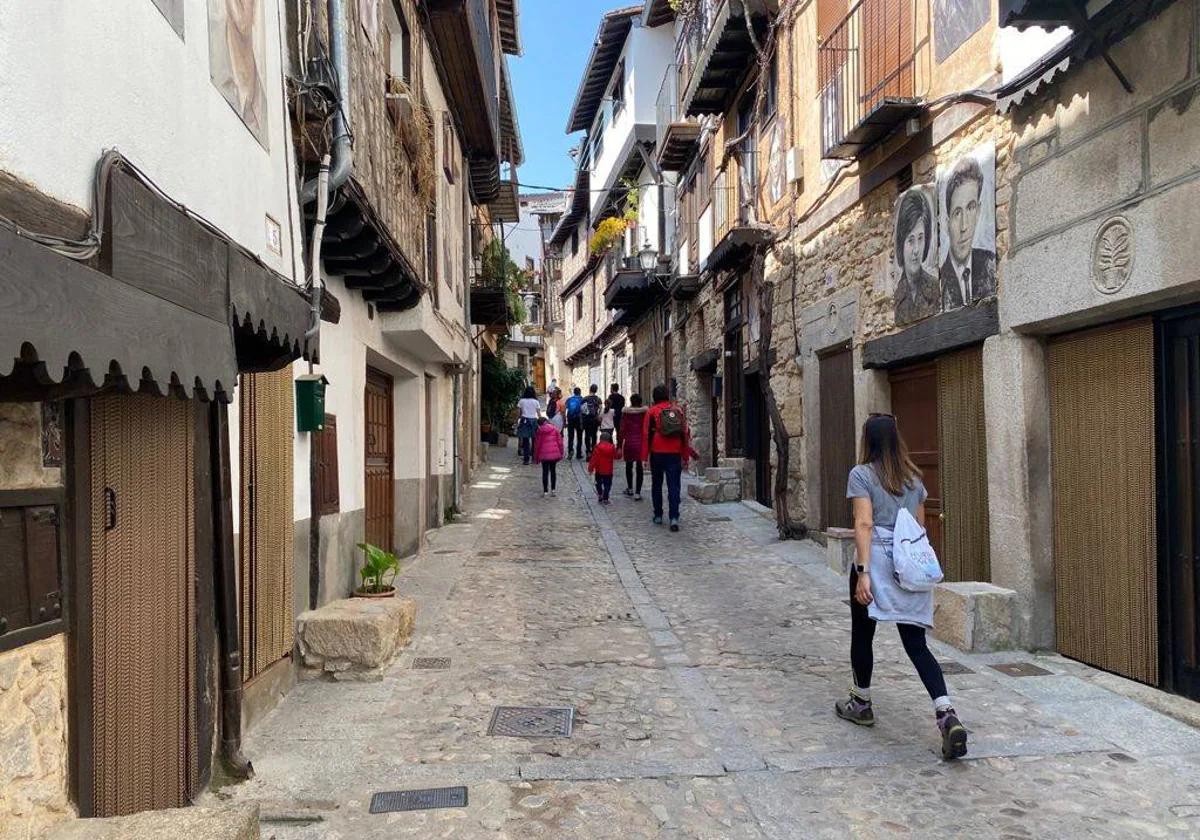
[{"x": 310, "y": 402}]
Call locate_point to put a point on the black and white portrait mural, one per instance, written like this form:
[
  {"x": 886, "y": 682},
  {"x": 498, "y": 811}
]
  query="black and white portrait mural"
[
  {"x": 918, "y": 293},
  {"x": 967, "y": 228},
  {"x": 236, "y": 53},
  {"x": 954, "y": 21}
]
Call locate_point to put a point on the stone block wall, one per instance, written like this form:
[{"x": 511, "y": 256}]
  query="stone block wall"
[
  {"x": 33, "y": 739},
  {"x": 853, "y": 252}
]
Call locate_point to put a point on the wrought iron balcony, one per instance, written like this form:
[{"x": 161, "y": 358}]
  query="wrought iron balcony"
[
  {"x": 866, "y": 69},
  {"x": 677, "y": 135}
]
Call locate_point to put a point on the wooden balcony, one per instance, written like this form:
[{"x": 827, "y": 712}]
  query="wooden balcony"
[
  {"x": 716, "y": 53},
  {"x": 677, "y": 136},
  {"x": 462, "y": 33},
  {"x": 867, "y": 72}
]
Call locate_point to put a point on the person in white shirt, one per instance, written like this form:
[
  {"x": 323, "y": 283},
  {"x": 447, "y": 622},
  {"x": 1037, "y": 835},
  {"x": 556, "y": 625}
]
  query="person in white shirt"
[{"x": 529, "y": 407}]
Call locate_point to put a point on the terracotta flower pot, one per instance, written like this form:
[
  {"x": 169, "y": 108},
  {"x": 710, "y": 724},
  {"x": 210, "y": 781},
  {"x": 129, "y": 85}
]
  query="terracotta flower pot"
[{"x": 388, "y": 592}]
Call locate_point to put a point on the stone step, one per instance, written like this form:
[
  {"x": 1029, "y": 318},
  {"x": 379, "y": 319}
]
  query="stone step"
[
  {"x": 232, "y": 822},
  {"x": 974, "y": 617},
  {"x": 355, "y": 638},
  {"x": 722, "y": 474}
]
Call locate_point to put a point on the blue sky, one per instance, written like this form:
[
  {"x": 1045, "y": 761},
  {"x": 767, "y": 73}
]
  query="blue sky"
[{"x": 557, "y": 37}]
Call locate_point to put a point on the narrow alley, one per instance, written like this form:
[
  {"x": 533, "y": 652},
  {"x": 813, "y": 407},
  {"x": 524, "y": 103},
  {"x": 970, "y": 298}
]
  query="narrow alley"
[{"x": 702, "y": 668}]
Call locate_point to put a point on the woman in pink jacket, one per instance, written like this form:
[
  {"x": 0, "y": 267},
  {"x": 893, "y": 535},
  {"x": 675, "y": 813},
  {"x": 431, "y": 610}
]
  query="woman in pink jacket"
[{"x": 548, "y": 451}]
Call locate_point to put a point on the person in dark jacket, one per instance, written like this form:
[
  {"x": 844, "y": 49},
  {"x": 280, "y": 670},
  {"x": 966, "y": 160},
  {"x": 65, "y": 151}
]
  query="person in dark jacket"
[
  {"x": 632, "y": 444},
  {"x": 616, "y": 402}
]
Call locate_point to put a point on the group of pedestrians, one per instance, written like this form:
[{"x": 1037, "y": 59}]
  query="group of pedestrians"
[
  {"x": 607, "y": 431},
  {"x": 885, "y": 482}
]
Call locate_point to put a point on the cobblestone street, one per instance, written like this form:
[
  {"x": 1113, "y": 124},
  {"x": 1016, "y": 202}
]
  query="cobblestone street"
[{"x": 702, "y": 667}]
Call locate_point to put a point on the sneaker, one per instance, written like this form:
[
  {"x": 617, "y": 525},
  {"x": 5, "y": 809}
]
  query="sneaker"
[
  {"x": 856, "y": 710},
  {"x": 674, "y": 524},
  {"x": 954, "y": 735},
  {"x": 657, "y": 520},
  {"x": 628, "y": 492},
  {"x": 545, "y": 495},
  {"x": 554, "y": 493},
  {"x": 637, "y": 497}
]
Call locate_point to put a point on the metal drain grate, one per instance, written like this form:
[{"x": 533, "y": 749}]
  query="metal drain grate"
[
  {"x": 951, "y": 667},
  {"x": 418, "y": 800},
  {"x": 1021, "y": 669},
  {"x": 431, "y": 663},
  {"x": 532, "y": 722}
]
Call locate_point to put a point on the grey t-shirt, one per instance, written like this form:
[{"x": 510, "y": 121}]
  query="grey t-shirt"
[{"x": 864, "y": 484}]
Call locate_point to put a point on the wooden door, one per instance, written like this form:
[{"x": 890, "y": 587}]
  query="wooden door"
[
  {"x": 432, "y": 505},
  {"x": 1180, "y": 506},
  {"x": 758, "y": 432},
  {"x": 1102, "y": 439},
  {"x": 714, "y": 416},
  {"x": 838, "y": 434},
  {"x": 539, "y": 374},
  {"x": 267, "y": 529},
  {"x": 138, "y": 727},
  {"x": 380, "y": 486},
  {"x": 962, "y": 437},
  {"x": 915, "y": 405}
]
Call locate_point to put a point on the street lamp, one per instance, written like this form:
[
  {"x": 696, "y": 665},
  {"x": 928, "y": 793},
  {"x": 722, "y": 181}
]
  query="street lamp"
[{"x": 648, "y": 258}]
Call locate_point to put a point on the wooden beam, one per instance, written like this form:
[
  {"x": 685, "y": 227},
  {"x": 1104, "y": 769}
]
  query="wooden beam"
[{"x": 934, "y": 336}]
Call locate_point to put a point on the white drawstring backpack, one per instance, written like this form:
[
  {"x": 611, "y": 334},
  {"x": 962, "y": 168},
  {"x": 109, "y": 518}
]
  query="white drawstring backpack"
[{"x": 913, "y": 558}]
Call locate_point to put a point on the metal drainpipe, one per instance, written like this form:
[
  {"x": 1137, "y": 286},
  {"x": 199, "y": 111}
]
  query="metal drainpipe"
[
  {"x": 227, "y": 602},
  {"x": 314, "y": 518},
  {"x": 343, "y": 149}
]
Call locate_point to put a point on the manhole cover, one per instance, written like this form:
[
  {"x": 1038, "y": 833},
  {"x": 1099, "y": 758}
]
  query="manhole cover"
[
  {"x": 1021, "y": 669},
  {"x": 431, "y": 663},
  {"x": 950, "y": 667},
  {"x": 719, "y": 519},
  {"x": 418, "y": 800},
  {"x": 531, "y": 722}
]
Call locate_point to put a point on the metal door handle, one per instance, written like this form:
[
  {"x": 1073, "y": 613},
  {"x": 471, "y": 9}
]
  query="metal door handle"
[
  {"x": 110, "y": 509},
  {"x": 941, "y": 517}
]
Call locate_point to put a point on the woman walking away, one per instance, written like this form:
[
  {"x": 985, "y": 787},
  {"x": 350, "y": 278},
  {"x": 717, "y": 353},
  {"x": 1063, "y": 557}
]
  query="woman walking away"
[
  {"x": 528, "y": 406},
  {"x": 631, "y": 443},
  {"x": 601, "y": 463},
  {"x": 548, "y": 451},
  {"x": 885, "y": 481},
  {"x": 555, "y": 411}
]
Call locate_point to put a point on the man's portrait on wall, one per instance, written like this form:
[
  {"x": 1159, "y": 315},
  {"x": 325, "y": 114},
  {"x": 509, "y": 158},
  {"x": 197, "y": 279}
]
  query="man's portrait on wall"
[
  {"x": 954, "y": 21},
  {"x": 918, "y": 292},
  {"x": 236, "y": 52},
  {"x": 967, "y": 228}
]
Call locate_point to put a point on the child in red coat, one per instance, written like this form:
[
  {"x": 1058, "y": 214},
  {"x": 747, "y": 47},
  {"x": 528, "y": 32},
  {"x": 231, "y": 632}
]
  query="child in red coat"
[
  {"x": 548, "y": 451},
  {"x": 601, "y": 463}
]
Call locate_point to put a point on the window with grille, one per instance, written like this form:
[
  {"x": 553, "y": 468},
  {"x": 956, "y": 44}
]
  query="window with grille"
[{"x": 30, "y": 592}]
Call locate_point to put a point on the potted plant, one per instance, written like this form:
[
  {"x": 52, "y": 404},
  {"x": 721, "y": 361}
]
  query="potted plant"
[{"x": 377, "y": 573}]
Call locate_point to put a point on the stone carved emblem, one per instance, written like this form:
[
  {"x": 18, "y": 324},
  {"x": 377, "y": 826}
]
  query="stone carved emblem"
[
  {"x": 1112, "y": 256},
  {"x": 832, "y": 319}
]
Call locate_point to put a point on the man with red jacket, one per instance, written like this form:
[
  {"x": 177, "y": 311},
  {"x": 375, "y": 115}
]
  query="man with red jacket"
[{"x": 668, "y": 444}]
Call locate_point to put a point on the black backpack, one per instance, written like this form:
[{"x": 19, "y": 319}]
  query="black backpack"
[{"x": 670, "y": 422}]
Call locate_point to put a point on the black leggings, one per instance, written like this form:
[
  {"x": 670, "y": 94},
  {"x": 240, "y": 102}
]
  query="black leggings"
[
  {"x": 631, "y": 467},
  {"x": 549, "y": 476},
  {"x": 862, "y": 634}
]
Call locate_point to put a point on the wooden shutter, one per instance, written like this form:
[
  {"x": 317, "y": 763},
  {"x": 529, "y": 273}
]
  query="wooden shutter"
[
  {"x": 29, "y": 565},
  {"x": 886, "y": 36},
  {"x": 1102, "y": 434},
  {"x": 325, "y": 450},
  {"x": 829, "y": 14}
]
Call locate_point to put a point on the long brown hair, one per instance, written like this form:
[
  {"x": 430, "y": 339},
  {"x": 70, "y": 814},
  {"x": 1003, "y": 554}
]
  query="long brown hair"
[{"x": 883, "y": 450}]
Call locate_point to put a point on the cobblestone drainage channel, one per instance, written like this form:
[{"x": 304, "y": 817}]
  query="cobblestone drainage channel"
[
  {"x": 1021, "y": 669},
  {"x": 532, "y": 721},
  {"x": 418, "y": 800},
  {"x": 431, "y": 663}
]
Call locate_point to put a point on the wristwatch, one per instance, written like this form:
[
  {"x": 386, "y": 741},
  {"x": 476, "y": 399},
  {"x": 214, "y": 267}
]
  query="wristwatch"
[{"x": 861, "y": 569}]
